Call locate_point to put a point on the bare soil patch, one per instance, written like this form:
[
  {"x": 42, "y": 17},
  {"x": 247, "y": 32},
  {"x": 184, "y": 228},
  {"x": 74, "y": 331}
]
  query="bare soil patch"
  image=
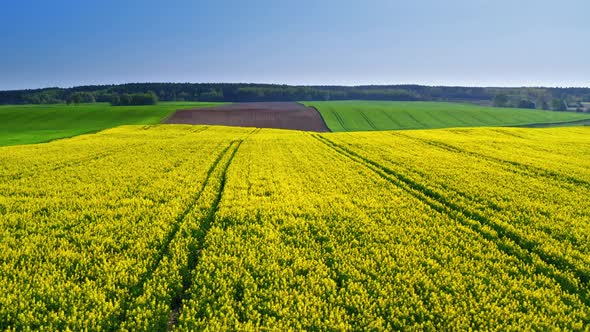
[{"x": 282, "y": 115}]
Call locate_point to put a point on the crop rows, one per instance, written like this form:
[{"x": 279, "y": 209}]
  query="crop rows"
[
  {"x": 348, "y": 246},
  {"x": 80, "y": 243},
  {"x": 537, "y": 209},
  {"x": 241, "y": 229},
  {"x": 361, "y": 115}
]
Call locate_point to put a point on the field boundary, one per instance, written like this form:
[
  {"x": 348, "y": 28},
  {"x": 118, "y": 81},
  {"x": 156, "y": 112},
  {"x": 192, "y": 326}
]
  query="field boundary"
[
  {"x": 505, "y": 240},
  {"x": 320, "y": 113},
  {"x": 583, "y": 123}
]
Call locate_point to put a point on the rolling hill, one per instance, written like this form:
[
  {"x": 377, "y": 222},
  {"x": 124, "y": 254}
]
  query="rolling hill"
[{"x": 392, "y": 115}]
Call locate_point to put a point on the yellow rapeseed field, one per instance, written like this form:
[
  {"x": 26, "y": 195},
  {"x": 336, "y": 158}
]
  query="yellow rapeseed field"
[{"x": 219, "y": 228}]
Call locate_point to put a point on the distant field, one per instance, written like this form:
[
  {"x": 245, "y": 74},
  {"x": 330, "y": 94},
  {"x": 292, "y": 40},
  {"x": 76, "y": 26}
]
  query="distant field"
[
  {"x": 25, "y": 124},
  {"x": 280, "y": 115},
  {"x": 389, "y": 115}
]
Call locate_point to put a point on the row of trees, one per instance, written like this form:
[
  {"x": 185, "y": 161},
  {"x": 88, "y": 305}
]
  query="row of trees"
[
  {"x": 149, "y": 98},
  {"x": 134, "y": 93},
  {"x": 81, "y": 97},
  {"x": 540, "y": 99},
  {"x": 125, "y": 99},
  {"x": 557, "y": 104}
]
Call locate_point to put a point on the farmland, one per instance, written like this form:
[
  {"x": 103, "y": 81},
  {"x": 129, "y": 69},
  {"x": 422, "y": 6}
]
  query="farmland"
[
  {"x": 282, "y": 115},
  {"x": 242, "y": 228},
  {"x": 388, "y": 115},
  {"x": 25, "y": 124}
]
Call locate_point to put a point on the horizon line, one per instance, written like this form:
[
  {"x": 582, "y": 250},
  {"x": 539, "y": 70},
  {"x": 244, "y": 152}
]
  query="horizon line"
[{"x": 311, "y": 85}]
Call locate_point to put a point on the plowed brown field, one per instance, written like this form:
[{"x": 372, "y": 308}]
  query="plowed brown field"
[{"x": 282, "y": 115}]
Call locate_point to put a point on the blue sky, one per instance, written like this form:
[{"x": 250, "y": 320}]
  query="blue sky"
[{"x": 435, "y": 42}]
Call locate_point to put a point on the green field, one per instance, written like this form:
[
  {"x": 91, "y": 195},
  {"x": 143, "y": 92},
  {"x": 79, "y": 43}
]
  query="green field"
[
  {"x": 25, "y": 124},
  {"x": 392, "y": 115}
]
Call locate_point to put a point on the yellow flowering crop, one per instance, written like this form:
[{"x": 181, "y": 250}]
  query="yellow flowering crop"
[{"x": 193, "y": 227}]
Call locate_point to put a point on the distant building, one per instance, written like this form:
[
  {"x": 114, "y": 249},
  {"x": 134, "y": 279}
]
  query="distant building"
[{"x": 578, "y": 107}]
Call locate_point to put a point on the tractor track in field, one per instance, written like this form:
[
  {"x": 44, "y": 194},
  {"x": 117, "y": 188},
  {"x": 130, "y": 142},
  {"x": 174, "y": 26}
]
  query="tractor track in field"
[
  {"x": 339, "y": 119},
  {"x": 506, "y": 241},
  {"x": 422, "y": 125},
  {"x": 459, "y": 120},
  {"x": 527, "y": 170},
  {"x": 371, "y": 124},
  {"x": 180, "y": 299},
  {"x": 391, "y": 118},
  {"x": 165, "y": 247},
  {"x": 193, "y": 260},
  {"x": 502, "y": 164},
  {"x": 220, "y": 164}
]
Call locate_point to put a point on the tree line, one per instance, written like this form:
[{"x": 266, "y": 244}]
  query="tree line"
[{"x": 151, "y": 93}]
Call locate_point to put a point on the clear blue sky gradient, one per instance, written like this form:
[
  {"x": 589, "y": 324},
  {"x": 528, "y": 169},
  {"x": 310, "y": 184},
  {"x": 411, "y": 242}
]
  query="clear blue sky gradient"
[{"x": 455, "y": 42}]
